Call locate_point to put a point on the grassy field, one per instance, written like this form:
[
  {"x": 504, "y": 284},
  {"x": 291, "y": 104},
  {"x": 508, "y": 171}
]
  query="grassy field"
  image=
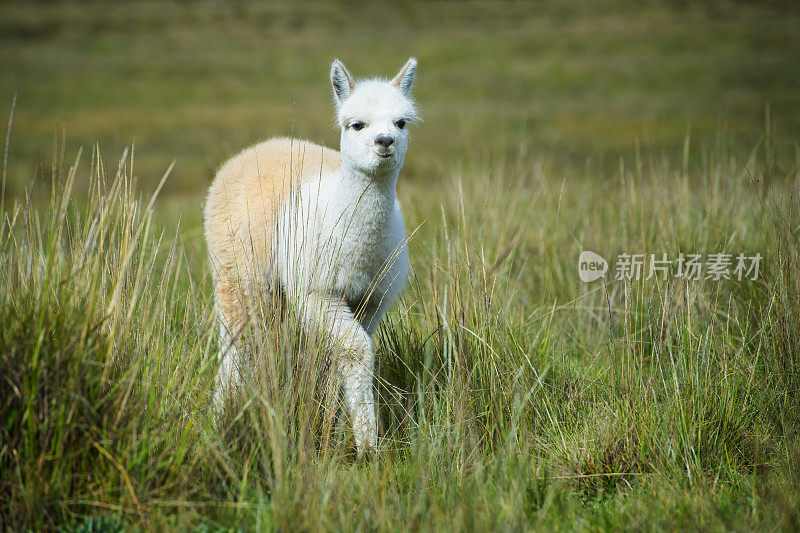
[{"x": 513, "y": 395}]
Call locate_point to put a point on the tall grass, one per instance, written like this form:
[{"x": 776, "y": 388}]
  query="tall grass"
[{"x": 512, "y": 396}]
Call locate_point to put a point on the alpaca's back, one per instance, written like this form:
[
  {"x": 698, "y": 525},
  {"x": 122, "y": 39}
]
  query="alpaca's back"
[{"x": 242, "y": 208}]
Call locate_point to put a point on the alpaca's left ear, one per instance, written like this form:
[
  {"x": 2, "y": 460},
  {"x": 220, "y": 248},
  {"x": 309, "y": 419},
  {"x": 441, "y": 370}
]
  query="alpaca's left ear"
[{"x": 405, "y": 78}]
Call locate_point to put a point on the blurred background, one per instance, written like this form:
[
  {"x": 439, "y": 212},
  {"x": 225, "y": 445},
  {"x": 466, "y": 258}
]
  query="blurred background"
[{"x": 571, "y": 83}]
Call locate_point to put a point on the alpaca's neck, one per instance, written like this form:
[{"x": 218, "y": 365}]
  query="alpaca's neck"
[{"x": 375, "y": 190}]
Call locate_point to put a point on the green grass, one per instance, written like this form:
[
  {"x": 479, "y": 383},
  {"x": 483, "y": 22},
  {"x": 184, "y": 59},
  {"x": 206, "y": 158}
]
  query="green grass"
[{"x": 513, "y": 396}]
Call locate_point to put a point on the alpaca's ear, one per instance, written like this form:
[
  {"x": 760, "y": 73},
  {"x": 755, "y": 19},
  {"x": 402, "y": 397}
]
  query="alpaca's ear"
[
  {"x": 405, "y": 78},
  {"x": 341, "y": 81}
]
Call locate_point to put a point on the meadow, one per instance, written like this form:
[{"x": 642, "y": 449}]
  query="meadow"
[{"x": 513, "y": 395}]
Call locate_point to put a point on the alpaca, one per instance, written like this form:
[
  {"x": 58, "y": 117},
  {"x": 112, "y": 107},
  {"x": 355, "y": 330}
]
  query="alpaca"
[{"x": 322, "y": 227}]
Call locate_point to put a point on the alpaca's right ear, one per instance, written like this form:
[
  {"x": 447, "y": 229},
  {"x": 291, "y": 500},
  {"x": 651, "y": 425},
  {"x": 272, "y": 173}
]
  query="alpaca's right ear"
[{"x": 341, "y": 81}]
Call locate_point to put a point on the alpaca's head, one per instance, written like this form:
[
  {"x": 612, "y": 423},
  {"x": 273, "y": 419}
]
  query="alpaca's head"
[{"x": 374, "y": 116}]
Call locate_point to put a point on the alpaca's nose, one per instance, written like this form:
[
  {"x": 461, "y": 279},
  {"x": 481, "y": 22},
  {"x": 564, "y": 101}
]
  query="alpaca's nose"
[{"x": 384, "y": 140}]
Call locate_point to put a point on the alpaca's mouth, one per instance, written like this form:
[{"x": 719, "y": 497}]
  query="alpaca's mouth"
[{"x": 384, "y": 154}]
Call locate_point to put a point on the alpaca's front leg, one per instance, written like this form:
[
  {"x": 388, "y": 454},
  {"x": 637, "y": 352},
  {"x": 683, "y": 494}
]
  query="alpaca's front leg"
[
  {"x": 356, "y": 373},
  {"x": 353, "y": 360}
]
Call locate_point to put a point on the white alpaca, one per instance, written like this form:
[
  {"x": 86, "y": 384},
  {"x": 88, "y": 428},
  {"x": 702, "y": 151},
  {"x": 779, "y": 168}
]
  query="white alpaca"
[{"x": 324, "y": 226}]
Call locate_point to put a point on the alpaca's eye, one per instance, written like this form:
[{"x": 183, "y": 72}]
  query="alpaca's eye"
[
  {"x": 400, "y": 124},
  {"x": 358, "y": 126}
]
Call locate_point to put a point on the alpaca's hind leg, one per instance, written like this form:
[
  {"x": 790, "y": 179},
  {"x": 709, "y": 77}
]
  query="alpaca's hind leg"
[
  {"x": 353, "y": 360},
  {"x": 230, "y": 312},
  {"x": 228, "y": 374}
]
